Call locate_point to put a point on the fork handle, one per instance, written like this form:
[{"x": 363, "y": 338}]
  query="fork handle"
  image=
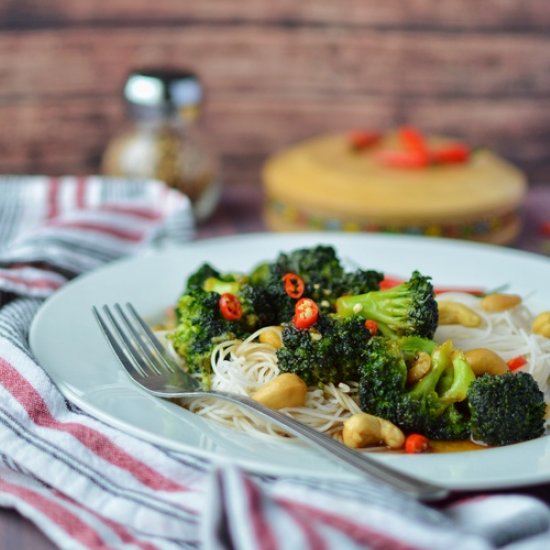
[{"x": 412, "y": 486}]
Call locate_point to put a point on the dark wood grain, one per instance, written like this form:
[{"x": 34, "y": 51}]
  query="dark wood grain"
[
  {"x": 465, "y": 15},
  {"x": 276, "y": 72},
  {"x": 68, "y": 137},
  {"x": 279, "y": 62}
]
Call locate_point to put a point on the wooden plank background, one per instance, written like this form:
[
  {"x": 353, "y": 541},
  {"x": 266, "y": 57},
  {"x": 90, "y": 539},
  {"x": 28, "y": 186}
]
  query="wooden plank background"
[{"x": 275, "y": 72}]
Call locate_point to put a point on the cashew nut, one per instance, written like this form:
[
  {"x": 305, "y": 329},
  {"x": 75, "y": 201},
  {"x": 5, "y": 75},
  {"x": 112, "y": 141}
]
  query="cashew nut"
[
  {"x": 420, "y": 367},
  {"x": 272, "y": 336},
  {"x": 495, "y": 302},
  {"x": 362, "y": 429},
  {"x": 541, "y": 324},
  {"x": 456, "y": 313},
  {"x": 286, "y": 390},
  {"x": 483, "y": 360}
]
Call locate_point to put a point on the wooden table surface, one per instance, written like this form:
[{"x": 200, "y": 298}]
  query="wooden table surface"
[{"x": 240, "y": 212}]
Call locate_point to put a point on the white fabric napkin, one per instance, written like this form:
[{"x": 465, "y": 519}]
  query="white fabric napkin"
[{"x": 88, "y": 485}]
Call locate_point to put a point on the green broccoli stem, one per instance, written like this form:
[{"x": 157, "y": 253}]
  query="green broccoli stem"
[
  {"x": 212, "y": 284},
  {"x": 387, "y": 308},
  {"x": 450, "y": 376},
  {"x": 371, "y": 305},
  {"x": 374, "y": 303},
  {"x": 260, "y": 274},
  {"x": 441, "y": 362},
  {"x": 463, "y": 376},
  {"x": 411, "y": 346}
]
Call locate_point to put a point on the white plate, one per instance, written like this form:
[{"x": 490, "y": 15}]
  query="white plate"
[{"x": 67, "y": 342}]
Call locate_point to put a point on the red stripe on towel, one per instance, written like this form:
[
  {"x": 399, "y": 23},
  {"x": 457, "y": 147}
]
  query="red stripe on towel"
[
  {"x": 118, "y": 528},
  {"x": 377, "y": 540},
  {"x": 53, "y": 191},
  {"x": 119, "y": 233},
  {"x": 96, "y": 442},
  {"x": 265, "y": 538},
  {"x": 31, "y": 283},
  {"x": 80, "y": 195},
  {"x": 315, "y": 540},
  {"x": 63, "y": 518},
  {"x": 145, "y": 213}
]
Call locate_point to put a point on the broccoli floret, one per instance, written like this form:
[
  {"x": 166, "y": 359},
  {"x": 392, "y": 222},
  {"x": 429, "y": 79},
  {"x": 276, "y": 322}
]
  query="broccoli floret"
[
  {"x": 256, "y": 310},
  {"x": 406, "y": 309},
  {"x": 201, "y": 326},
  {"x": 383, "y": 378},
  {"x": 506, "y": 408},
  {"x": 276, "y": 300},
  {"x": 433, "y": 405},
  {"x": 324, "y": 277},
  {"x": 329, "y": 351},
  {"x": 359, "y": 281},
  {"x": 198, "y": 277},
  {"x": 319, "y": 268}
]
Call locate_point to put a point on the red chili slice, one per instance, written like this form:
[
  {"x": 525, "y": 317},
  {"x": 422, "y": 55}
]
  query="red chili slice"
[
  {"x": 294, "y": 285},
  {"x": 306, "y": 312},
  {"x": 230, "y": 306},
  {"x": 389, "y": 282},
  {"x": 411, "y": 139},
  {"x": 416, "y": 443},
  {"x": 371, "y": 326},
  {"x": 456, "y": 153},
  {"x": 360, "y": 139},
  {"x": 404, "y": 159},
  {"x": 516, "y": 362}
]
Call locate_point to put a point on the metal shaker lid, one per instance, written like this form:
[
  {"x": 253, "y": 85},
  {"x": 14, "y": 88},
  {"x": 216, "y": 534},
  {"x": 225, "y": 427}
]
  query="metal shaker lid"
[{"x": 163, "y": 90}]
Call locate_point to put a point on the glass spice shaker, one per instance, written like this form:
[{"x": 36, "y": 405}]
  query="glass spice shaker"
[{"x": 164, "y": 140}]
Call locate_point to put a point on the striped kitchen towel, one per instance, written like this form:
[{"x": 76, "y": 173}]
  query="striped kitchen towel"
[
  {"x": 49, "y": 227},
  {"x": 86, "y": 485}
]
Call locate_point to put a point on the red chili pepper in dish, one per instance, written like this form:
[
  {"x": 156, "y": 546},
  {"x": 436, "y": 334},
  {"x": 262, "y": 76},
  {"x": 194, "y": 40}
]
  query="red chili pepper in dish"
[
  {"x": 360, "y": 139},
  {"x": 389, "y": 282},
  {"x": 412, "y": 139},
  {"x": 455, "y": 153},
  {"x": 230, "y": 306},
  {"x": 404, "y": 159},
  {"x": 306, "y": 312},
  {"x": 371, "y": 326},
  {"x": 416, "y": 443},
  {"x": 294, "y": 285},
  {"x": 516, "y": 362}
]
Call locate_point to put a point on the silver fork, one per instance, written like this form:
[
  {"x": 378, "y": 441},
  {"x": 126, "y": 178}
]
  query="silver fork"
[{"x": 150, "y": 366}]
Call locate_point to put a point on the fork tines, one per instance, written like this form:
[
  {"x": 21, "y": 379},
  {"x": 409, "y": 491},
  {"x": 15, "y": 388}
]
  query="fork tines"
[{"x": 133, "y": 342}]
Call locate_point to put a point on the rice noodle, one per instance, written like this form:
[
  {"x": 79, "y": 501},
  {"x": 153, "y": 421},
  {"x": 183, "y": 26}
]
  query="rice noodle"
[{"x": 244, "y": 366}]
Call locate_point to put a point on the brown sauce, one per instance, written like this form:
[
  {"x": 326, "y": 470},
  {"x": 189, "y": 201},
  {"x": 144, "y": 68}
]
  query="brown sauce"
[
  {"x": 459, "y": 446},
  {"x": 455, "y": 446}
]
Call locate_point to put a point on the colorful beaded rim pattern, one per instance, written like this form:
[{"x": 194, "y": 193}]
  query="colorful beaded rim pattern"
[{"x": 477, "y": 228}]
